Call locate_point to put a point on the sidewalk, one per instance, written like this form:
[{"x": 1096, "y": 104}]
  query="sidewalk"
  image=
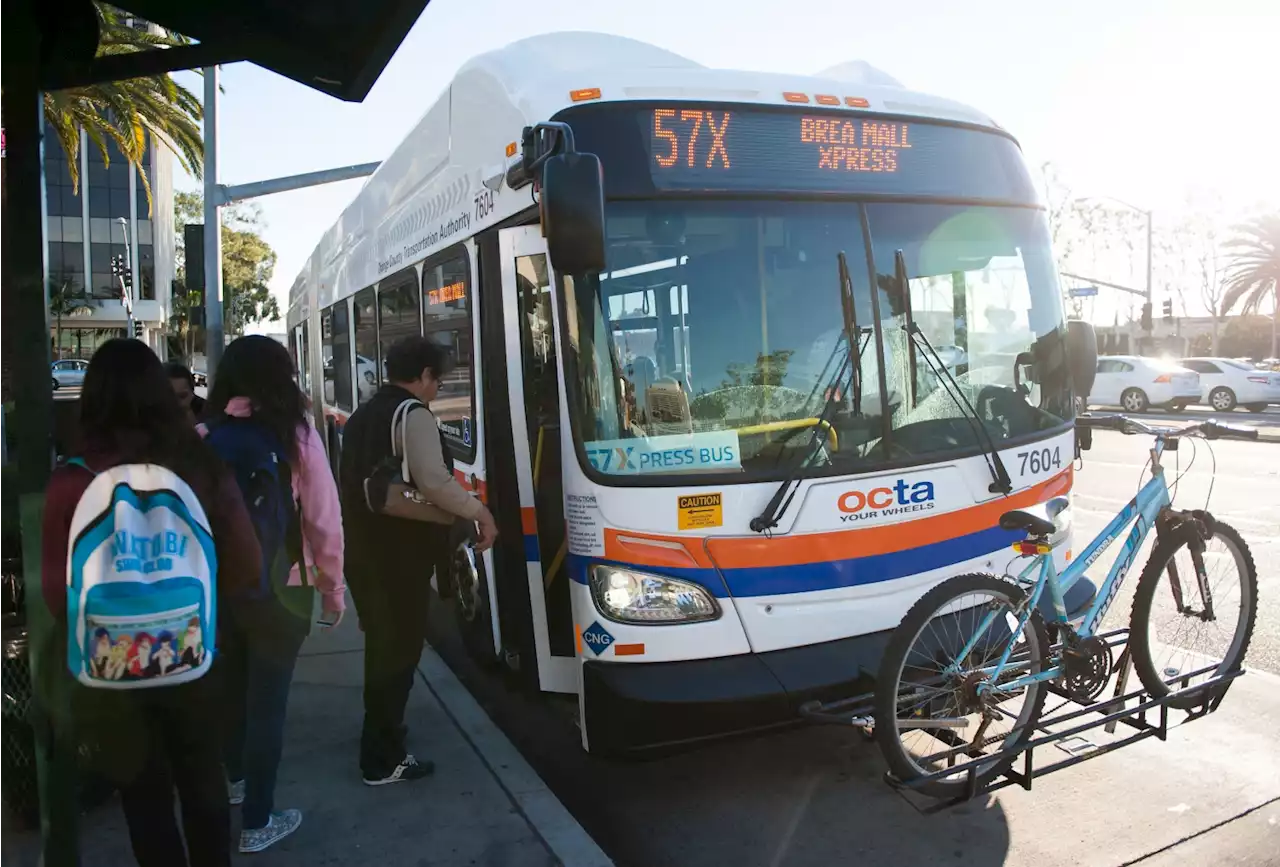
[{"x": 483, "y": 807}]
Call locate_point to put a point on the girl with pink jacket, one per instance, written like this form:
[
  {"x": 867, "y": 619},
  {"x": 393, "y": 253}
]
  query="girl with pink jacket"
[{"x": 261, "y": 635}]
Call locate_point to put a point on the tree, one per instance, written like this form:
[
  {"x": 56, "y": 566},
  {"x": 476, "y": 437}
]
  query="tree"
[
  {"x": 62, "y": 302},
  {"x": 1254, "y": 272},
  {"x": 127, "y": 113},
  {"x": 248, "y": 263}
]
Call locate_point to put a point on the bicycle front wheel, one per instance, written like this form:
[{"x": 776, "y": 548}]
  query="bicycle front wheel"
[
  {"x": 935, "y": 708},
  {"x": 1176, "y": 629}
]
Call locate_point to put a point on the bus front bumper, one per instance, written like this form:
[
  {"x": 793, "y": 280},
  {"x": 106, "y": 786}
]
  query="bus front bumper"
[{"x": 640, "y": 708}]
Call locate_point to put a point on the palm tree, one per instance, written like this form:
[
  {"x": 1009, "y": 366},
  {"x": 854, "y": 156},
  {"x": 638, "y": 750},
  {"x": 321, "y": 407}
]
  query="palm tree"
[
  {"x": 1254, "y": 272},
  {"x": 127, "y": 113}
]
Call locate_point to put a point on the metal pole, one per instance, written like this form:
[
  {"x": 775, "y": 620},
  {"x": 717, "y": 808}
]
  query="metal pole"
[
  {"x": 1148, "y": 215},
  {"x": 212, "y": 227},
  {"x": 26, "y": 344},
  {"x": 126, "y": 289}
]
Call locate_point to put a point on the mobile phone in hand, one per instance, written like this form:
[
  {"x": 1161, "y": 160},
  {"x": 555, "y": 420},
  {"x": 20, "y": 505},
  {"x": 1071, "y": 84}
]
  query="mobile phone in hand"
[{"x": 325, "y": 624}]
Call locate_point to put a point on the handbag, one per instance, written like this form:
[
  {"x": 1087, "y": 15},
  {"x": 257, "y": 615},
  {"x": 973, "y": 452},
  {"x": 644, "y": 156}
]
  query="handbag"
[{"x": 389, "y": 489}]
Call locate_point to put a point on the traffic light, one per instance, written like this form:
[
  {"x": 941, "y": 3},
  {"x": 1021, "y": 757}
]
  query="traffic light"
[
  {"x": 1168, "y": 310},
  {"x": 1146, "y": 316},
  {"x": 137, "y": 329}
]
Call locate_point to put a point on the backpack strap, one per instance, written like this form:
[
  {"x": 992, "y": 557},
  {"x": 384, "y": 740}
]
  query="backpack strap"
[{"x": 80, "y": 462}]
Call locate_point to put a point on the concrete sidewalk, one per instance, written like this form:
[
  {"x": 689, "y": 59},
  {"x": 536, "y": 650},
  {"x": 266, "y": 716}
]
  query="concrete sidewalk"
[{"x": 483, "y": 807}]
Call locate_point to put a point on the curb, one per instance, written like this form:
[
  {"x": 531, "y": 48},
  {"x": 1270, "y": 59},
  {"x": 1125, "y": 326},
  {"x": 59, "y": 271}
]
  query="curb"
[{"x": 554, "y": 825}]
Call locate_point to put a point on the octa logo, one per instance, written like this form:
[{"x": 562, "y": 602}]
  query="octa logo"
[{"x": 902, "y": 494}]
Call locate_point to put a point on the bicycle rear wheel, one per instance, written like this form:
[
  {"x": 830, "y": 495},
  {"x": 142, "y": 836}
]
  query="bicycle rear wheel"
[
  {"x": 1170, "y": 633},
  {"x": 921, "y": 680}
]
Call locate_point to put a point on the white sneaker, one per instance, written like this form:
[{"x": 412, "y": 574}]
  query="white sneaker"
[
  {"x": 235, "y": 793},
  {"x": 408, "y": 769},
  {"x": 279, "y": 826}
]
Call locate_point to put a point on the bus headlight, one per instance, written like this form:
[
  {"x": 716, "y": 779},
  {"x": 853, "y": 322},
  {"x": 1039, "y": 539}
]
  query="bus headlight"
[{"x": 628, "y": 596}]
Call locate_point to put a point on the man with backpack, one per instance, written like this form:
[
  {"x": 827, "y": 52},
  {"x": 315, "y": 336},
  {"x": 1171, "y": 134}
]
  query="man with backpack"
[{"x": 390, "y": 559}]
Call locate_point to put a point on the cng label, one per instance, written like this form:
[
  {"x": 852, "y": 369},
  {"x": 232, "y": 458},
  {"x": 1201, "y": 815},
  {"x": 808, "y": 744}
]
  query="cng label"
[
  {"x": 597, "y": 638},
  {"x": 699, "y": 511}
]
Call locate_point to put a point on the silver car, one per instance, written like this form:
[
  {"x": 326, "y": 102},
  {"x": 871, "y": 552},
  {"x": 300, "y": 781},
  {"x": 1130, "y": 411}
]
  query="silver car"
[{"x": 69, "y": 373}]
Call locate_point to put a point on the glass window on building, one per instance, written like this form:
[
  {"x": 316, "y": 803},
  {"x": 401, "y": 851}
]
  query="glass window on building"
[
  {"x": 66, "y": 266},
  {"x": 146, "y": 272}
]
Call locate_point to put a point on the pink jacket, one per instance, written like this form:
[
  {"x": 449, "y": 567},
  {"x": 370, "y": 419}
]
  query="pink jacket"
[{"x": 314, "y": 488}]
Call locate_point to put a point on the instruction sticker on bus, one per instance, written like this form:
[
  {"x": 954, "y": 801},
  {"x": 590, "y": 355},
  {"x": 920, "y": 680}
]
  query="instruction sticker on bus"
[
  {"x": 711, "y": 451},
  {"x": 699, "y": 511}
]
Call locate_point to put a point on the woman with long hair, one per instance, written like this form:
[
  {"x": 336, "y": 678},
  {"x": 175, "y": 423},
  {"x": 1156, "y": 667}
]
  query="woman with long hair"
[
  {"x": 151, "y": 741},
  {"x": 254, "y": 385}
]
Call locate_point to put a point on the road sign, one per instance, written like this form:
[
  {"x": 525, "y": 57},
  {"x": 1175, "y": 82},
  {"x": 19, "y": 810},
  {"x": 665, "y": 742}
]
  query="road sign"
[{"x": 1083, "y": 291}]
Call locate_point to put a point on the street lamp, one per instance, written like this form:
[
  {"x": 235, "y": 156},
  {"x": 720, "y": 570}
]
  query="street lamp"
[
  {"x": 126, "y": 278},
  {"x": 1144, "y": 212}
]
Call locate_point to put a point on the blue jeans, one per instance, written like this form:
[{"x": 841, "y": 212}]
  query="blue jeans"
[{"x": 259, "y": 647}]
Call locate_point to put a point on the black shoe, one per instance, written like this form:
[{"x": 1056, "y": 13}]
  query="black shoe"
[{"x": 408, "y": 769}]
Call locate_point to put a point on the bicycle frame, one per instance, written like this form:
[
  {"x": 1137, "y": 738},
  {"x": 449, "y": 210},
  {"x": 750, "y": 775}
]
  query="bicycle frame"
[{"x": 1142, "y": 512}]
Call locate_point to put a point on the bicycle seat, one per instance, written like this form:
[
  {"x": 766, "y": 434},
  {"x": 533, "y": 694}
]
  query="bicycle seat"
[{"x": 1033, "y": 525}]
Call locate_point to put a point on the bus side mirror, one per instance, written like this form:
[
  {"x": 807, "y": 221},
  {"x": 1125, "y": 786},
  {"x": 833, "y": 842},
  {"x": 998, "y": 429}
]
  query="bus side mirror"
[
  {"x": 572, "y": 208},
  {"x": 1082, "y": 356}
]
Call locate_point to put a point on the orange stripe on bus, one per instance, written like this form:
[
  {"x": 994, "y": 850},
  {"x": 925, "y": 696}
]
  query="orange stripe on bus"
[
  {"x": 743, "y": 553},
  {"x": 685, "y": 552},
  {"x": 529, "y": 520}
]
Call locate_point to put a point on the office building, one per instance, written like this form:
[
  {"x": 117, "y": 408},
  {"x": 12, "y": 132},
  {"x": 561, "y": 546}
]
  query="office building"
[{"x": 108, "y": 216}]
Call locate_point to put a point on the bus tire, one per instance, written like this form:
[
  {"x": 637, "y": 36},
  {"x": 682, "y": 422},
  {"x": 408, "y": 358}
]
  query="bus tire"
[{"x": 471, "y": 608}]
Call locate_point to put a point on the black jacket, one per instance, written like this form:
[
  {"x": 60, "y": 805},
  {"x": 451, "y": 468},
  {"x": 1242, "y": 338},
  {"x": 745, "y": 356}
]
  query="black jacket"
[{"x": 378, "y": 542}]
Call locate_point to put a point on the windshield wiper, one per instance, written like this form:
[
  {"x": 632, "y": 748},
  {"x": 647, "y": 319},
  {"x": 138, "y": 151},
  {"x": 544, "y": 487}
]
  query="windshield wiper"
[
  {"x": 782, "y": 497},
  {"x": 1001, "y": 483}
]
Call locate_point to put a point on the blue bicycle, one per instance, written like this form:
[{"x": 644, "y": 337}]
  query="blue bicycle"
[{"x": 968, "y": 669}]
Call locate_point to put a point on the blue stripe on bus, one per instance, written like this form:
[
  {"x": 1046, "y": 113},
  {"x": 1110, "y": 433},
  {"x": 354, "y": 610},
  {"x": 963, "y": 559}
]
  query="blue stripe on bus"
[
  {"x": 810, "y": 577},
  {"x": 532, "y": 553}
]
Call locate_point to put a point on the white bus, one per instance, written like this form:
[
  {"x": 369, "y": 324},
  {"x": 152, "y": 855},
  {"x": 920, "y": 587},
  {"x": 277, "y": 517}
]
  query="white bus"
[{"x": 723, "y": 459}]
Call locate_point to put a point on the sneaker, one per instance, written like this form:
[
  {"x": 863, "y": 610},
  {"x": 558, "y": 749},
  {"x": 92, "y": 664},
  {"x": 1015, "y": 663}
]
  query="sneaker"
[
  {"x": 279, "y": 826},
  {"x": 408, "y": 769},
  {"x": 235, "y": 792}
]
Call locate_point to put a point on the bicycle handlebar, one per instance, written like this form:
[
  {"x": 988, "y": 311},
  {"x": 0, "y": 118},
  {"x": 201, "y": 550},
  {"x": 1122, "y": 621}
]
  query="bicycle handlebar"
[{"x": 1211, "y": 429}]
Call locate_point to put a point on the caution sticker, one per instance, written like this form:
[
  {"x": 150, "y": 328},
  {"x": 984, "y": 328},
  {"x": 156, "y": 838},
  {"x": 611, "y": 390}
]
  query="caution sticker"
[{"x": 699, "y": 511}]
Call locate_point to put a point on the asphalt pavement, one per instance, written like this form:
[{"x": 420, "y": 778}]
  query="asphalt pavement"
[{"x": 811, "y": 797}]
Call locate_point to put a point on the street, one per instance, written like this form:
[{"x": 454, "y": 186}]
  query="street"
[{"x": 814, "y": 796}]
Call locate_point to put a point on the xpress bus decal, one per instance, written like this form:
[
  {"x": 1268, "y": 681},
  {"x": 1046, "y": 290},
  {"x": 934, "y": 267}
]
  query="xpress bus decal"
[{"x": 700, "y": 452}]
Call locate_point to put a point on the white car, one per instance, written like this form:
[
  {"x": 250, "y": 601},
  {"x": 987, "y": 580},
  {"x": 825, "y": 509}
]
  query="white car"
[
  {"x": 1226, "y": 384},
  {"x": 69, "y": 372},
  {"x": 1136, "y": 383}
]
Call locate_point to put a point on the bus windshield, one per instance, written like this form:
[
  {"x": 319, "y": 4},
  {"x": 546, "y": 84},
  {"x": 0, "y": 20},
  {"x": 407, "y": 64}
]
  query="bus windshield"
[{"x": 715, "y": 340}]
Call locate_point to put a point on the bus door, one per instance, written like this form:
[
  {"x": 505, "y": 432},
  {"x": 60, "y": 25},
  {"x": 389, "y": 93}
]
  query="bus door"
[{"x": 533, "y": 384}]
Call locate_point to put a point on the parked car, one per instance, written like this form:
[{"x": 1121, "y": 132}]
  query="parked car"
[
  {"x": 69, "y": 372},
  {"x": 1136, "y": 383},
  {"x": 1226, "y": 384},
  {"x": 201, "y": 378}
]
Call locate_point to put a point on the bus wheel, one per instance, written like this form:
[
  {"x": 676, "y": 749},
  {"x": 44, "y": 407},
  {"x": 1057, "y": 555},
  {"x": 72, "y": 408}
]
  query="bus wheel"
[{"x": 471, "y": 604}]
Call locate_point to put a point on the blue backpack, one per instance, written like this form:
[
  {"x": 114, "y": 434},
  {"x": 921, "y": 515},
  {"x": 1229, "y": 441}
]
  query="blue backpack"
[{"x": 259, "y": 462}]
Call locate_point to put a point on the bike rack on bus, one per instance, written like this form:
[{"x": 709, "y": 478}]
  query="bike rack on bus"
[{"x": 1128, "y": 708}]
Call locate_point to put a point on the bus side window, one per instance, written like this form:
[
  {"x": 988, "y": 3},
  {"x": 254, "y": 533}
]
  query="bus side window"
[
  {"x": 365, "y": 317},
  {"x": 446, "y": 309},
  {"x": 336, "y": 350},
  {"x": 399, "y": 313}
]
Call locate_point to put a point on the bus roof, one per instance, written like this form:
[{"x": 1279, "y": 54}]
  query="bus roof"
[{"x": 420, "y": 199}]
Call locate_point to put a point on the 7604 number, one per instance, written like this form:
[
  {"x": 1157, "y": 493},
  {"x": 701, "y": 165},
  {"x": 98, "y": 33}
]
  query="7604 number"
[{"x": 1040, "y": 460}]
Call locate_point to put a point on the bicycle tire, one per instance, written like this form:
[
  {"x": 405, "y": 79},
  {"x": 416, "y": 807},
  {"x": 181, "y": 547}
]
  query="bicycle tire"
[
  {"x": 1139, "y": 647},
  {"x": 894, "y": 659}
]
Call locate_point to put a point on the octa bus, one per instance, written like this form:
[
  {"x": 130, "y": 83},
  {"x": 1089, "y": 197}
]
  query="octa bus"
[{"x": 793, "y": 364}]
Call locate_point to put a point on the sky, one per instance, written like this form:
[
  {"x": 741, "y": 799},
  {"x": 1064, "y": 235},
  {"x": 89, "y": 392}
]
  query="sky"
[{"x": 1149, "y": 101}]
